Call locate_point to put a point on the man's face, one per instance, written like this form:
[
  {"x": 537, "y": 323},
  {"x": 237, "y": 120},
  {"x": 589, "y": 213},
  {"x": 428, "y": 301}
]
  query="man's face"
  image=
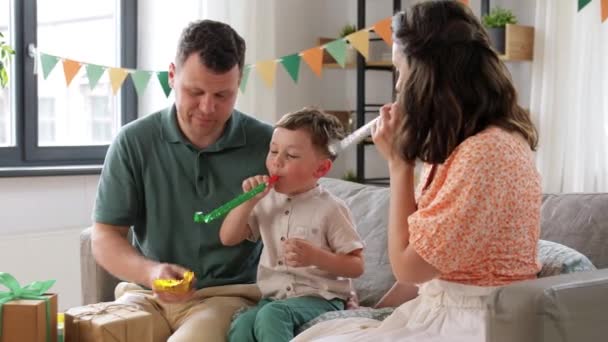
[{"x": 204, "y": 99}]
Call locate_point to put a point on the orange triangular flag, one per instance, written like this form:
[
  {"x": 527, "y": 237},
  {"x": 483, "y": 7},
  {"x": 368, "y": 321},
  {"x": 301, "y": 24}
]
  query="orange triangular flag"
[
  {"x": 267, "y": 70},
  {"x": 117, "y": 76},
  {"x": 360, "y": 41},
  {"x": 383, "y": 29},
  {"x": 314, "y": 58},
  {"x": 70, "y": 68},
  {"x": 604, "y": 9}
]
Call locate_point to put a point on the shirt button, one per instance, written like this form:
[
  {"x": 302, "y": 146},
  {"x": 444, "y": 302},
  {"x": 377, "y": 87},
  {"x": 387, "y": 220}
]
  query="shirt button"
[
  {"x": 280, "y": 263},
  {"x": 288, "y": 288},
  {"x": 288, "y": 199},
  {"x": 282, "y": 238},
  {"x": 286, "y": 212}
]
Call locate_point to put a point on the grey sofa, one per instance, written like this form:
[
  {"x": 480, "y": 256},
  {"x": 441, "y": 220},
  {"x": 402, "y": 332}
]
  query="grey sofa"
[{"x": 570, "y": 307}]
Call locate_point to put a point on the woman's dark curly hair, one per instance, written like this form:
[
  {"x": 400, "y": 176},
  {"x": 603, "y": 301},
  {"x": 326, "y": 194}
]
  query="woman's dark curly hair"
[{"x": 457, "y": 85}]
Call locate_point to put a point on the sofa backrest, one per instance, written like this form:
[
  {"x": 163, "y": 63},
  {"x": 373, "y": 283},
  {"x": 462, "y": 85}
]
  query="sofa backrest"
[
  {"x": 369, "y": 205},
  {"x": 579, "y": 221}
]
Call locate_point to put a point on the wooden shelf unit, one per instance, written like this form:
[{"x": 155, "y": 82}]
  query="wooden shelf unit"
[
  {"x": 369, "y": 64},
  {"x": 519, "y": 43}
]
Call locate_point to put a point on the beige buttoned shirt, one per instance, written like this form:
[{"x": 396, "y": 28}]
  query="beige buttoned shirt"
[{"x": 316, "y": 216}]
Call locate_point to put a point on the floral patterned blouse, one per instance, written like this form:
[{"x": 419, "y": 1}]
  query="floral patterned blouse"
[{"x": 478, "y": 220}]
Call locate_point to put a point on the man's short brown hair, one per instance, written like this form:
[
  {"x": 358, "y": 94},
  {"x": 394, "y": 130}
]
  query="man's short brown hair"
[{"x": 322, "y": 127}]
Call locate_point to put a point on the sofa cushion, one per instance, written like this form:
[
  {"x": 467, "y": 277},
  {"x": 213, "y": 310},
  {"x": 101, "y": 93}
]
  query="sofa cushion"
[
  {"x": 579, "y": 221},
  {"x": 369, "y": 205},
  {"x": 559, "y": 259},
  {"x": 377, "y": 314}
]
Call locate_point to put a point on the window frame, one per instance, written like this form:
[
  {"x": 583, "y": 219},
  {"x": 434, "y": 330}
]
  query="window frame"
[{"x": 27, "y": 158}]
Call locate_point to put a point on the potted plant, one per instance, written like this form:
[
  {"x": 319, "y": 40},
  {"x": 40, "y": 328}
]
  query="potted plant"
[
  {"x": 350, "y": 176},
  {"x": 5, "y": 56},
  {"x": 351, "y": 54},
  {"x": 495, "y": 22}
]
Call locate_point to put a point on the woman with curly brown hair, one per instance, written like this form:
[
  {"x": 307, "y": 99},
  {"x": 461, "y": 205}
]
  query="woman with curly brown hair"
[{"x": 473, "y": 224}]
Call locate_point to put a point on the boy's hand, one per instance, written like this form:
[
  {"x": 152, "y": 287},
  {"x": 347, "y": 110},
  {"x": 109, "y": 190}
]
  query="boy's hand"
[
  {"x": 254, "y": 181},
  {"x": 300, "y": 253}
]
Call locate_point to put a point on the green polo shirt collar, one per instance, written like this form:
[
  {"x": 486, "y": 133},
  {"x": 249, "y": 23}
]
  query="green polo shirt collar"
[{"x": 233, "y": 136}]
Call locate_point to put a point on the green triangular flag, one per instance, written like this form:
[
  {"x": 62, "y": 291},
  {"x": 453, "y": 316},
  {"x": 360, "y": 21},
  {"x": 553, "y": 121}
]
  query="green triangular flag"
[
  {"x": 337, "y": 49},
  {"x": 163, "y": 77},
  {"x": 48, "y": 63},
  {"x": 140, "y": 80},
  {"x": 582, "y": 3},
  {"x": 245, "y": 78},
  {"x": 94, "y": 73},
  {"x": 292, "y": 65}
]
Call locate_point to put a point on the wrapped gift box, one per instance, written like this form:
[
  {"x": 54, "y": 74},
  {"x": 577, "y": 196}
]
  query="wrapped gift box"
[
  {"x": 24, "y": 320},
  {"x": 105, "y": 322}
]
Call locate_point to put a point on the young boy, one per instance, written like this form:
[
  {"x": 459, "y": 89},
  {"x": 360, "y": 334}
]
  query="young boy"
[{"x": 311, "y": 247}]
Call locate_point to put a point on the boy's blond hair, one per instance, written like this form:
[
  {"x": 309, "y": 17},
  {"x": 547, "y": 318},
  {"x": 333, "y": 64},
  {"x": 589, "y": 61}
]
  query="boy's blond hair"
[{"x": 323, "y": 128}]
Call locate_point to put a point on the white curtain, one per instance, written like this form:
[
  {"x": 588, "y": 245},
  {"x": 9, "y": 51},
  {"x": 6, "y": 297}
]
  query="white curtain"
[{"x": 569, "y": 96}]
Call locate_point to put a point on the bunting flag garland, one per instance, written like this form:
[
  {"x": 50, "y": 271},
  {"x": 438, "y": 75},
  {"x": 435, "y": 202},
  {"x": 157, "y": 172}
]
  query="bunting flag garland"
[
  {"x": 140, "y": 80},
  {"x": 360, "y": 41},
  {"x": 337, "y": 49},
  {"x": 384, "y": 30},
  {"x": 582, "y": 4},
  {"x": 94, "y": 73},
  {"x": 163, "y": 78},
  {"x": 48, "y": 63},
  {"x": 245, "y": 78},
  {"x": 603, "y": 8},
  {"x": 313, "y": 58},
  {"x": 117, "y": 77},
  {"x": 267, "y": 70},
  {"x": 70, "y": 68},
  {"x": 291, "y": 64}
]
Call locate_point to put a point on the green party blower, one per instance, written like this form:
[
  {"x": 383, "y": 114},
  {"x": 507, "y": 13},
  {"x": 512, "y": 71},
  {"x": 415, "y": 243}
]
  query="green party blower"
[{"x": 199, "y": 217}]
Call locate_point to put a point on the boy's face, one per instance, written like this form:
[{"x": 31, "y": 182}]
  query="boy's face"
[{"x": 295, "y": 160}]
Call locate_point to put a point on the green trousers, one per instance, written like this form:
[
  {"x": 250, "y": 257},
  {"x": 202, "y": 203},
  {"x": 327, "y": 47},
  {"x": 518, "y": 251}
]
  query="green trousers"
[{"x": 277, "y": 320}]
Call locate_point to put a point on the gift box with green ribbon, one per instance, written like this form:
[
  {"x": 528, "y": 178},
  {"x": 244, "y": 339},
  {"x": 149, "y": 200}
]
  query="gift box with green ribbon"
[{"x": 27, "y": 313}]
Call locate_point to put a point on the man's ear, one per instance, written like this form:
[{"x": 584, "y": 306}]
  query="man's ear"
[
  {"x": 171, "y": 74},
  {"x": 323, "y": 168}
]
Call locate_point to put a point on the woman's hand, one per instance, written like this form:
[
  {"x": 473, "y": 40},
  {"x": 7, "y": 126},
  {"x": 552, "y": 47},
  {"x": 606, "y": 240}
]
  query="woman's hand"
[
  {"x": 384, "y": 133},
  {"x": 385, "y": 129}
]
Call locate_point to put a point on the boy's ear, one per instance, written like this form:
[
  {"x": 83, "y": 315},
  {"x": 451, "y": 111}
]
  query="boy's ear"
[{"x": 323, "y": 168}]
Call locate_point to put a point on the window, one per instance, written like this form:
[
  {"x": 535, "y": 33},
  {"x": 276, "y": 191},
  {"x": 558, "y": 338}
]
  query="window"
[
  {"x": 101, "y": 119},
  {"x": 6, "y": 137},
  {"x": 46, "y": 121},
  {"x": 51, "y": 123}
]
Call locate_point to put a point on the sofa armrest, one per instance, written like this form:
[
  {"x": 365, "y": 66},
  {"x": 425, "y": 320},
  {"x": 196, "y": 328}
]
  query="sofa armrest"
[
  {"x": 570, "y": 307},
  {"x": 97, "y": 284}
]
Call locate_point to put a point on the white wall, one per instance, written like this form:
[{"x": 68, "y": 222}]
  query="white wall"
[{"x": 40, "y": 221}]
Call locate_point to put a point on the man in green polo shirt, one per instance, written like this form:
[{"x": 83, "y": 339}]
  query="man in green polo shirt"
[{"x": 163, "y": 168}]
